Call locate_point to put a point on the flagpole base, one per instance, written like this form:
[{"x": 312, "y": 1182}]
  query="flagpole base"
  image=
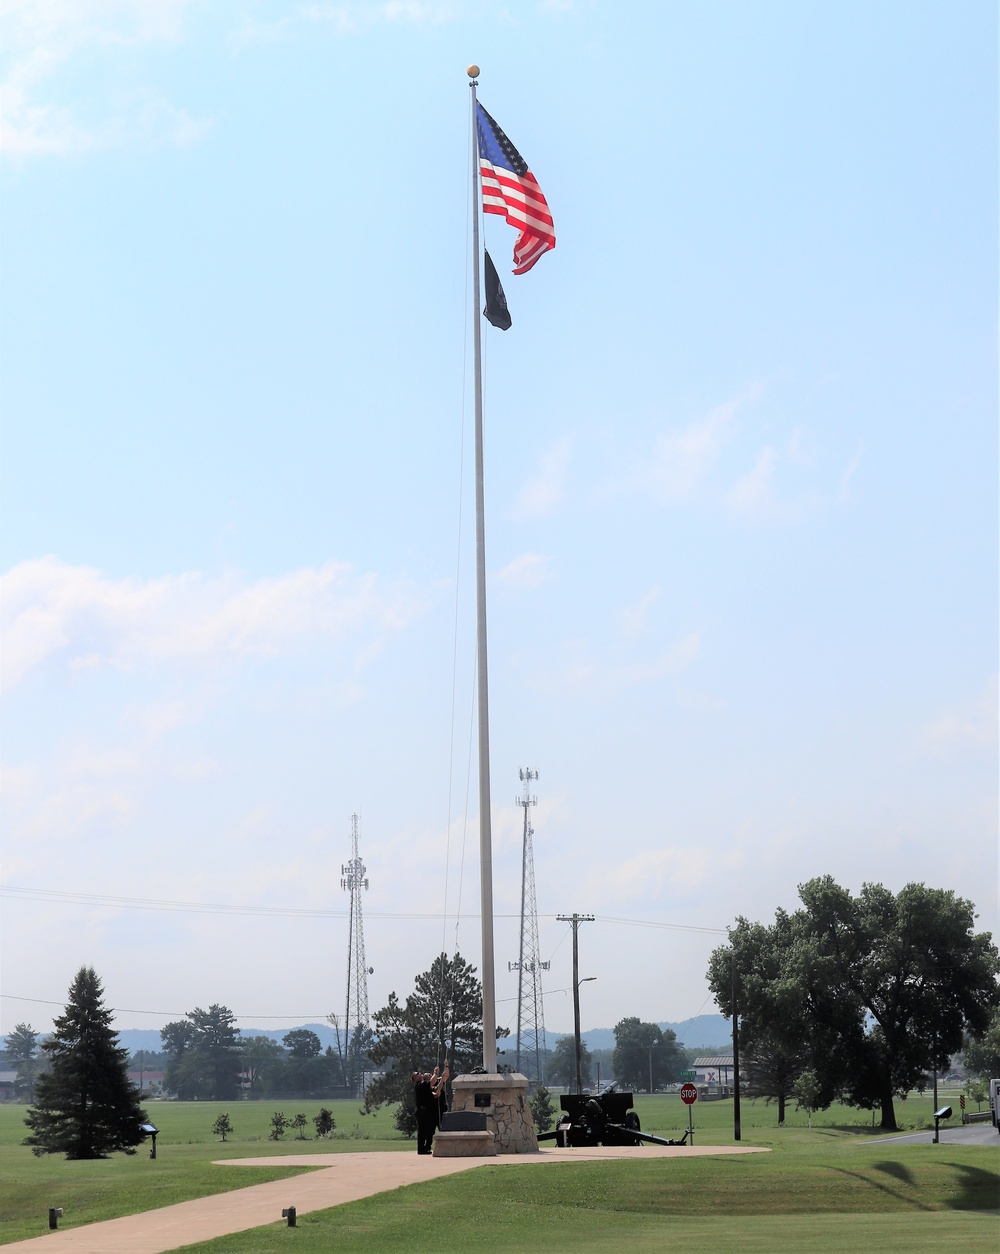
[{"x": 503, "y": 1098}]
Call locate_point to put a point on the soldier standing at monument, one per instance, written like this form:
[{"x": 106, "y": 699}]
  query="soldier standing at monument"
[{"x": 426, "y": 1107}]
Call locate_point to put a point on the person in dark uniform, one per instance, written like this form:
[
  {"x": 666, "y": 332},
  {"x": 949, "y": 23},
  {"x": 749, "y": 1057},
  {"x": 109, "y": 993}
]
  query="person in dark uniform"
[{"x": 426, "y": 1107}]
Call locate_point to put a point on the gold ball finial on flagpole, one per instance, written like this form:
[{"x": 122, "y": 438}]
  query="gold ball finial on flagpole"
[{"x": 473, "y": 71}]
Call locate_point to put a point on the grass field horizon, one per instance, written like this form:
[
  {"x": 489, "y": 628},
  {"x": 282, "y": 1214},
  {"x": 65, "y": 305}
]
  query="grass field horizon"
[{"x": 837, "y": 1168}]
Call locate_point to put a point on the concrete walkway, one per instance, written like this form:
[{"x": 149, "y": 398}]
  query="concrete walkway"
[{"x": 343, "y": 1178}]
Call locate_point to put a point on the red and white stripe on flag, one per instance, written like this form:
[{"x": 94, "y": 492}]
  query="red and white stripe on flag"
[{"x": 519, "y": 198}]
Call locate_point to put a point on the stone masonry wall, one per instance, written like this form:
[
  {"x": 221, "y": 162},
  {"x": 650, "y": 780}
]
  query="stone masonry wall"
[{"x": 508, "y": 1115}]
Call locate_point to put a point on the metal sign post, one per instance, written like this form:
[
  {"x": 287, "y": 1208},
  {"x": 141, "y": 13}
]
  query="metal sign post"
[{"x": 689, "y": 1095}]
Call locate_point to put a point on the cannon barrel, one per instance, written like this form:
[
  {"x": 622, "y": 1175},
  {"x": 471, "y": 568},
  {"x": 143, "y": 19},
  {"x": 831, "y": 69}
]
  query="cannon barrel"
[
  {"x": 639, "y": 1136},
  {"x": 645, "y": 1136}
]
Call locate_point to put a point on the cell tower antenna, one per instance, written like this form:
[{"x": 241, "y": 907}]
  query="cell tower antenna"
[
  {"x": 354, "y": 882},
  {"x": 529, "y": 966}
]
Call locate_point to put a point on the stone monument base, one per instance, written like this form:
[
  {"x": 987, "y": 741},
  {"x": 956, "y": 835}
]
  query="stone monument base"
[
  {"x": 464, "y": 1145},
  {"x": 503, "y": 1099}
]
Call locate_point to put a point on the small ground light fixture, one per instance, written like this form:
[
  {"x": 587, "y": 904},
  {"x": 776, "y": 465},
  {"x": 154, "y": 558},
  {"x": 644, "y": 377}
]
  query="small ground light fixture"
[
  {"x": 55, "y": 1214},
  {"x": 289, "y": 1214}
]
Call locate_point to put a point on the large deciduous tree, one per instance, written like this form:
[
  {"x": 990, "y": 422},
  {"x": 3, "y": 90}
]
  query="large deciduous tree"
[
  {"x": 262, "y": 1058},
  {"x": 770, "y": 1002},
  {"x": 302, "y": 1043},
  {"x": 982, "y": 1056},
  {"x": 205, "y": 1055},
  {"x": 561, "y": 1067},
  {"x": 645, "y": 1056},
  {"x": 86, "y": 1106},
  {"x": 876, "y": 990}
]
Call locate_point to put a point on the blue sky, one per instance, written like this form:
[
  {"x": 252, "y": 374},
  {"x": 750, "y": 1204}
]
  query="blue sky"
[{"x": 741, "y": 486}]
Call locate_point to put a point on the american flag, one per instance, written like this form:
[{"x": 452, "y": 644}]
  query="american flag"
[{"x": 510, "y": 188}]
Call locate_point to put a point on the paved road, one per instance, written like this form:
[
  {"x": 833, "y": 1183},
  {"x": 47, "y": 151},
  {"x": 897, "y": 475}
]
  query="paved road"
[{"x": 959, "y": 1134}]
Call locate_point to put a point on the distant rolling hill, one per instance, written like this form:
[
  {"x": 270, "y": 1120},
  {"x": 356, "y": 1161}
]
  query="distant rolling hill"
[{"x": 712, "y": 1031}]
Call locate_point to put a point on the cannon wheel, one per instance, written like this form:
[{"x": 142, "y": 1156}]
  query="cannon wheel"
[{"x": 632, "y": 1123}]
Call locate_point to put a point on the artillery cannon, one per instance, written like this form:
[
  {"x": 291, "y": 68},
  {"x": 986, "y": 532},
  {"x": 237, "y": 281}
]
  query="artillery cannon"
[{"x": 604, "y": 1119}]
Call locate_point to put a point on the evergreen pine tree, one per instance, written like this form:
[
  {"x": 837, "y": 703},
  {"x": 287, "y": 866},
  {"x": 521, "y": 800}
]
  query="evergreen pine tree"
[
  {"x": 22, "y": 1051},
  {"x": 542, "y": 1110},
  {"x": 86, "y": 1106}
]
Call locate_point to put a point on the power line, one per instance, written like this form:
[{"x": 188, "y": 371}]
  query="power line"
[
  {"x": 181, "y": 1014},
  {"x": 300, "y": 912},
  {"x": 667, "y": 927},
  {"x": 197, "y": 907}
]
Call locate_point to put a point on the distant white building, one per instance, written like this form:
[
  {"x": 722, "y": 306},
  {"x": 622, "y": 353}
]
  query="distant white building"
[
  {"x": 151, "y": 1082},
  {"x": 713, "y": 1069}
]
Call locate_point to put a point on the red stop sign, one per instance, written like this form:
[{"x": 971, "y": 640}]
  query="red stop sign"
[{"x": 689, "y": 1094}]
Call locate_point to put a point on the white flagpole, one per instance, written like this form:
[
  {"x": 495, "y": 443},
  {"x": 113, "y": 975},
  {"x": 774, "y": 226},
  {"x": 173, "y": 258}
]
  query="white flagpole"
[{"x": 485, "y": 829}]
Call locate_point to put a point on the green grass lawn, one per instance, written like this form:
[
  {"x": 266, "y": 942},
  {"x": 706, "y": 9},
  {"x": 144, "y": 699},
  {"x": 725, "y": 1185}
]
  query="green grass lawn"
[
  {"x": 835, "y": 1192},
  {"x": 815, "y": 1190},
  {"x": 184, "y": 1166}
]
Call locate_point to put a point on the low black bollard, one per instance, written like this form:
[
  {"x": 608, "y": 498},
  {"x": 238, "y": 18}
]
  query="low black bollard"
[
  {"x": 55, "y": 1214},
  {"x": 289, "y": 1214}
]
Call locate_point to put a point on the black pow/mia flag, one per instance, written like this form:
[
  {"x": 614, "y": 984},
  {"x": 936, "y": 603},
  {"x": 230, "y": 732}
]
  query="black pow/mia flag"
[{"x": 496, "y": 310}]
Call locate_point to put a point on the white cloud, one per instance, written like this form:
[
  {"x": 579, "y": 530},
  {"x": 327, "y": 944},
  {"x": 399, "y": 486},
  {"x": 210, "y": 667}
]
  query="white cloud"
[
  {"x": 674, "y": 660},
  {"x": 350, "y": 17},
  {"x": 547, "y": 490},
  {"x": 51, "y": 608},
  {"x": 845, "y": 489},
  {"x": 754, "y": 491},
  {"x": 632, "y": 618},
  {"x": 677, "y": 870},
  {"x": 46, "y": 38},
  {"x": 530, "y": 570},
  {"x": 682, "y": 460},
  {"x": 105, "y": 21},
  {"x": 967, "y": 725},
  {"x": 710, "y": 462},
  {"x": 578, "y": 668}
]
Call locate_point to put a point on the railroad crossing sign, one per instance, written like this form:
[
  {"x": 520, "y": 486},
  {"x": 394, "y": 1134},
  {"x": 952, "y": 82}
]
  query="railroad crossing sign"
[{"x": 689, "y": 1094}]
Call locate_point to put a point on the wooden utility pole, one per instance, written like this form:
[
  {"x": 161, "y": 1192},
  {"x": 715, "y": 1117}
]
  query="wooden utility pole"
[
  {"x": 576, "y": 920},
  {"x": 737, "y": 1131}
]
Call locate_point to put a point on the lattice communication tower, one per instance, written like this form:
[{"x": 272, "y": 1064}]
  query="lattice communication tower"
[
  {"x": 529, "y": 966},
  {"x": 356, "y": 1017}
]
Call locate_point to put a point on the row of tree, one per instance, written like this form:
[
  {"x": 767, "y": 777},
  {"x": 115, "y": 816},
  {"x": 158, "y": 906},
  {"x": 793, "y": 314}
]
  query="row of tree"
[
  {"x": 645, "y": 1058},
  {"x": 859, "y": 998},
  {"x": 208, "y": 1060}
]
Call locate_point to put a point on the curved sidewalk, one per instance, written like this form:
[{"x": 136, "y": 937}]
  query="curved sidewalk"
[{"x": 342, "y": 1178}]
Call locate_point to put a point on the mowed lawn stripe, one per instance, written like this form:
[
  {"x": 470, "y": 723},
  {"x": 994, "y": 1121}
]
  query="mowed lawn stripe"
[{"x": 910, "y": 1200}]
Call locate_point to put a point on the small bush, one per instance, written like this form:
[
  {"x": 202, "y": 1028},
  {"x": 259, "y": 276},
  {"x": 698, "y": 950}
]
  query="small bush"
[
  {"x": 324, "y": 1122},
  {"x": 222, "y": 1127},
  {"x": 542, "y": 1110}
]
